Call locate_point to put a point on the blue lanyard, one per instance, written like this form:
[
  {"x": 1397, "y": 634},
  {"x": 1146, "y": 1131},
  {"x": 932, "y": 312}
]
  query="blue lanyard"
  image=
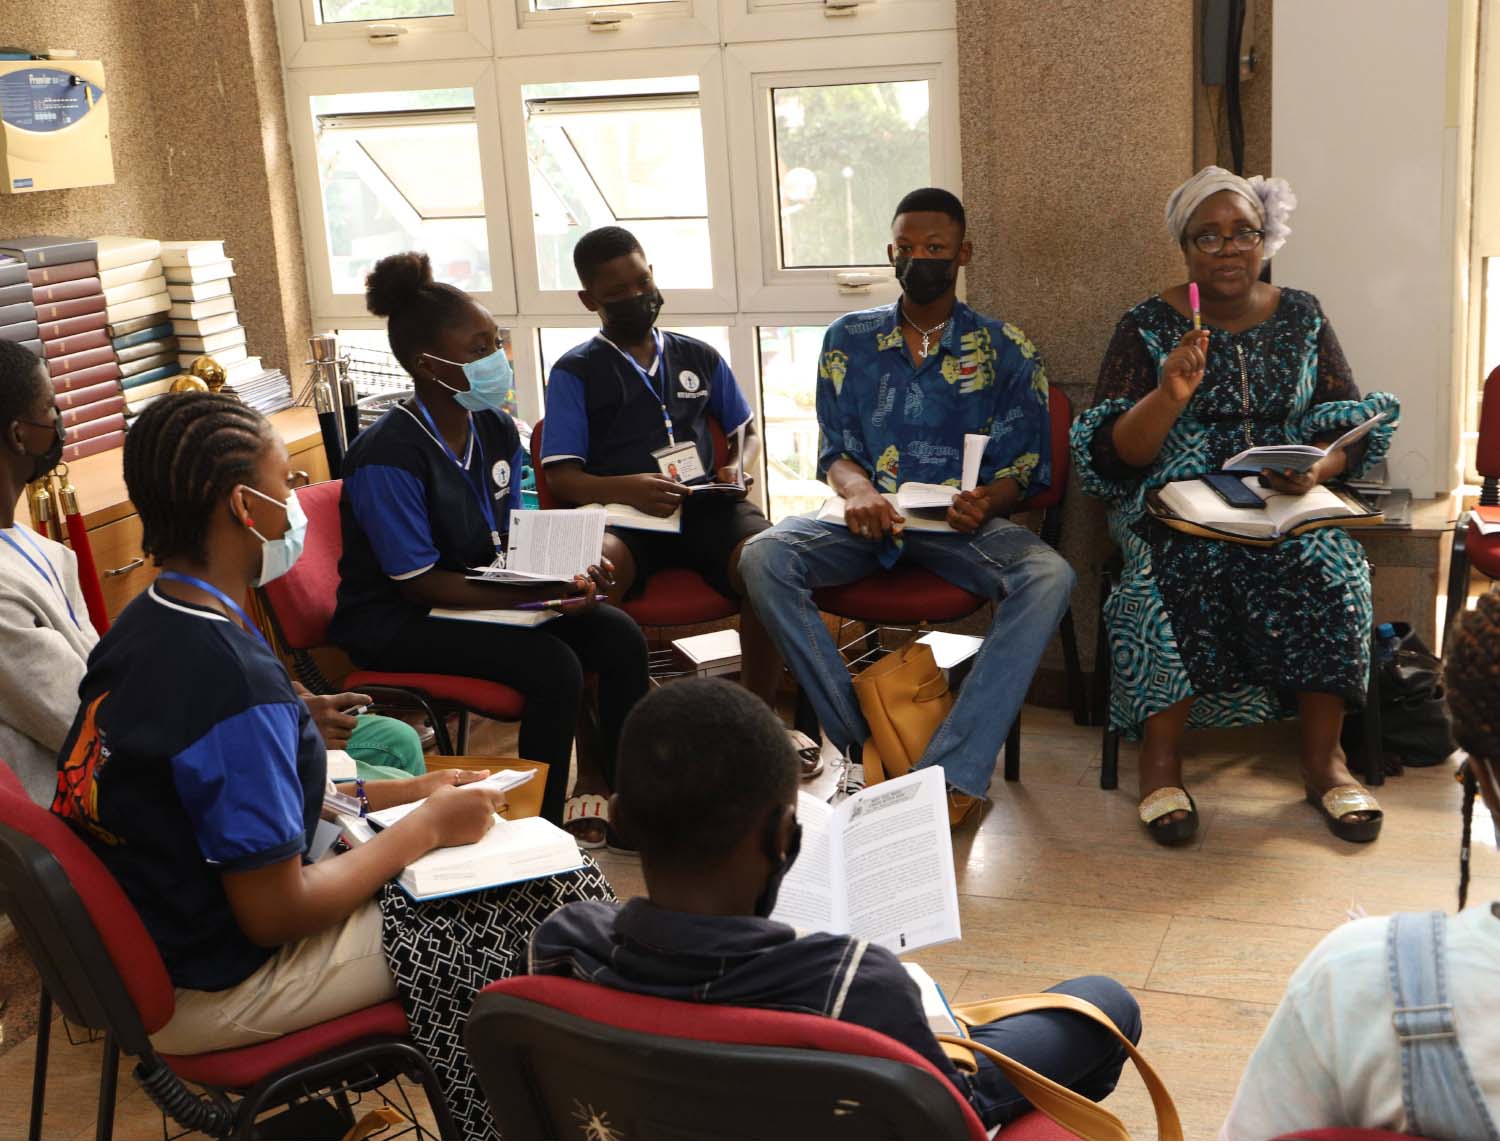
[
  {"x": 222, "y": 597},
  {"x": 50, "y": 576},
  {"x": 486, "y": 508},
  {"x": 661, "y": 366}
]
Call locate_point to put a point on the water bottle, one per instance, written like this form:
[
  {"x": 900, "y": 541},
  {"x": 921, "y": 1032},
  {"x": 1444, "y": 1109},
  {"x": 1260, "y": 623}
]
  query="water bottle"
[{"x": 1387, "y": 642}]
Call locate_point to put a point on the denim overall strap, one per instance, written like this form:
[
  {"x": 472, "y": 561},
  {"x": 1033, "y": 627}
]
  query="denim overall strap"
[{"x": 1437, "y": 1087}]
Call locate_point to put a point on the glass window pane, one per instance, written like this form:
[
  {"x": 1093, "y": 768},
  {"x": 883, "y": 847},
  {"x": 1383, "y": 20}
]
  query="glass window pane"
[
  {"x": 627, "y": 153},
  {"x": 400, "y": 171},
  {"x": 561, "y": 5},
  {"x": 344, "y": 11},
  {"x": 379, "y": 379},
  {"x": 557, "y": 341},
  {"x": 788, "y": 388},
  {"x": 845, "y": 154}
]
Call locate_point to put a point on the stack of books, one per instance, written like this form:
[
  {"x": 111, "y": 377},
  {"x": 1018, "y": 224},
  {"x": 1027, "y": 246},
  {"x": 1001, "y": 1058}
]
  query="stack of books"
[
  {"x": 206, "y": 322},
  {"x": 71, "y": 323},
  {"x": 17, "y": 310},
  {"x": 136, "y": 302}
]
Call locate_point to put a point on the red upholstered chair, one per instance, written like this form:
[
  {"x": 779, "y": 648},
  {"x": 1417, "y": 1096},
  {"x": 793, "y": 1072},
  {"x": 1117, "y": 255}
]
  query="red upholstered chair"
[
  {"x": 100, "y": 966},
  {"x": 914, "y": 599},
  {"x": 1471, "y": 549},
  {"x": 671, "y": 598},
  {"x": 300, "y": 606},
  {"x": 560, "y": 1059}
]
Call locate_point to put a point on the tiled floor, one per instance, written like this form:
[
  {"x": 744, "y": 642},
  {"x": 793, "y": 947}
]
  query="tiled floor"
[{"x": 1059, "y": 880}]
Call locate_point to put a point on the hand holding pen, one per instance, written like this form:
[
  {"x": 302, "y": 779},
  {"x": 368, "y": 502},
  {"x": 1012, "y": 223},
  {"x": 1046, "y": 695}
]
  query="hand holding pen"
[{"x": 591, "y": 593}]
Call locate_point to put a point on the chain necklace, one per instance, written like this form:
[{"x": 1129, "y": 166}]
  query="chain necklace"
[{"x": 927, "y": 335}]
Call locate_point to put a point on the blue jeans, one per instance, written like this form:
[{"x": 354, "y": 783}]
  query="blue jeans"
[
  {"x": 782, "y": 566},
  {"x": 1068, "y": 1048}
]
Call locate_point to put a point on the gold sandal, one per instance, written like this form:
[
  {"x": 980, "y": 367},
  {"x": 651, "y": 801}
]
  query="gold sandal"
[
  {"x": 1154, "y": 809},
  {"x": 1347, "y": 799}
]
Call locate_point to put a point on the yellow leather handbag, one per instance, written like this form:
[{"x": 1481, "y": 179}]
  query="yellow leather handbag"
[
  {"x": 1074, "y": 1112},
  {"x": 904, "y": 697}
]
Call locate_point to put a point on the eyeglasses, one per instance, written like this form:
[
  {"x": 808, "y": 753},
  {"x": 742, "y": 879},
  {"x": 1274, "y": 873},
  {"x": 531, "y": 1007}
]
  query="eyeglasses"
[
  {"x": 1212, "y": 242},
  {"x": 56, "y": 424}
]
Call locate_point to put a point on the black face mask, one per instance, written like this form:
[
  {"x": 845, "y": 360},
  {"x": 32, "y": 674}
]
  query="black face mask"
[
  {"x": 766, "y": 903},
  {"x": 631, "y": 319},
  {"x": 925, "y": 280},
  {"x": 45, "y": 463}
]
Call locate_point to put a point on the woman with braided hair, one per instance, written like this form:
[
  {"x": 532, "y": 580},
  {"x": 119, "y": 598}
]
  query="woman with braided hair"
[
  {"x": 194, "y": 772},
  {"x": 1389, "y": 1024}
]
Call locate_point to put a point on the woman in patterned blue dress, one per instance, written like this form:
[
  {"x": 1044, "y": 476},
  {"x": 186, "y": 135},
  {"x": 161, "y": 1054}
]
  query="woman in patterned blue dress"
[{"x": 1206, "y": 632}]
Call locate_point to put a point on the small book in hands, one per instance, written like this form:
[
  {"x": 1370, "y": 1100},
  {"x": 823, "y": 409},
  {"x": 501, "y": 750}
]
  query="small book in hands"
[
  {"x": 1194, "y": 507},
  {"x": 1297, "y": 458},
  {"x": 878, "y": 866}
]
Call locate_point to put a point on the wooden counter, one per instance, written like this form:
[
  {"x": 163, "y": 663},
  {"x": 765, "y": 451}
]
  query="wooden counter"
[{"x": 115, "y": 529}]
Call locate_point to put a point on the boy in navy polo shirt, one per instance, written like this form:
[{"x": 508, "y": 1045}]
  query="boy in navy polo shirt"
[{"x": 618, "y": 405}]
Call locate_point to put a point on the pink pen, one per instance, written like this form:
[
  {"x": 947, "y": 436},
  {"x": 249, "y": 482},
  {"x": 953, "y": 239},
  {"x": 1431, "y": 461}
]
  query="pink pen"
[
  {"x": 1193, "y": 302},
  {"x": 540, "y": 605}
]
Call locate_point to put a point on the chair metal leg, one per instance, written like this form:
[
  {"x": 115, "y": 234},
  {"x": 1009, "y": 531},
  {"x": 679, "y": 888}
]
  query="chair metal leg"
[
  {"x": 1458, "y": 578},
  {"x": 1099, "y": 692},
  {"x": 1078, "y": 695},
  {"x": 1013, "y": 751},
  {"x": 39, "y": 1068},
  {"x": 1109, "y": 764},
  {"x": 463, "y": 732},
  {"x": 109, "y": 1076}
]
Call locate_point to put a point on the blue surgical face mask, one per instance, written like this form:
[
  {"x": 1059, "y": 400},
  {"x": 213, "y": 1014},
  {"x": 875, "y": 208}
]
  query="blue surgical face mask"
[
  {"x": 278, "y": 556},
  {"x": 490, "y": 381}
]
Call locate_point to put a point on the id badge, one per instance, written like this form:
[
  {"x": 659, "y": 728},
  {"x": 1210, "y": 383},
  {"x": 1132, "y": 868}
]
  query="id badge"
[{"x": 680, "y": 462}]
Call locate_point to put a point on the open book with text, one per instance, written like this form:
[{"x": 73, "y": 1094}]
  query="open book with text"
[
  {"x": 922, "y": 520},
  {"x": 1193, "y": 507},
  {"x": 878, "y": 866},
  {"x": 547, "y": 547},
  {"x": 1297, "y": 458}
]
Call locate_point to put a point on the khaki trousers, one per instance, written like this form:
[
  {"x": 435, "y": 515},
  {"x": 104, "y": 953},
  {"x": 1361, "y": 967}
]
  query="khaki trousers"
[{"x": 305, "y": 982}]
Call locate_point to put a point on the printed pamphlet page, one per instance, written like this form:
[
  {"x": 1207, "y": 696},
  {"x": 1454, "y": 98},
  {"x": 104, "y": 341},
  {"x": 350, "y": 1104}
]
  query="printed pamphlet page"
[{"x": 878, "y": 866}]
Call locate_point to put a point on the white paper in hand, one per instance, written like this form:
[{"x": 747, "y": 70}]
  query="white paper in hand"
[{"x": 974, "y": 444}]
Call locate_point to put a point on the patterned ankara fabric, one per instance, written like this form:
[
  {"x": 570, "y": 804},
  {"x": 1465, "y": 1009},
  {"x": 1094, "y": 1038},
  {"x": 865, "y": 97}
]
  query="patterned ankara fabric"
[
  {"x": 442, "y": 952},
  {"x": 1240, "y": 628}
]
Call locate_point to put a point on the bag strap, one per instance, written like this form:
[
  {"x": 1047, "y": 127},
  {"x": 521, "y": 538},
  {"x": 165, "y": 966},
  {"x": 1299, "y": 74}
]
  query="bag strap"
[{"x": 1073, "y": 1111}]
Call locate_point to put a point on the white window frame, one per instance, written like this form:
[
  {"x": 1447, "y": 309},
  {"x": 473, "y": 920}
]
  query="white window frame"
[
  {"x": 306, "y": 43},
  {"x": 744, "y": 20},
  {"x": 675, "y": 23},
  {"x": 511, "y": 76},
  {"x": 752, "y": 71},
  {"x": 329, "y": 308},
  {"x": 1484, "y": 235}
]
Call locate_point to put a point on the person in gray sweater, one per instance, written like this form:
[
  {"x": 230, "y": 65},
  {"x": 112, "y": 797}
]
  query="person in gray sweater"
[{"x": 45, "y": 632}]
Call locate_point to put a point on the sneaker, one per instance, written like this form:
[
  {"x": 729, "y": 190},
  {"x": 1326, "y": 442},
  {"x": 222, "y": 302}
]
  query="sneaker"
[{"x": 851, "y": 780}]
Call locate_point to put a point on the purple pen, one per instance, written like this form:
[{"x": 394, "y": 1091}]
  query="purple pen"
[{"x": 539, "y": 605}]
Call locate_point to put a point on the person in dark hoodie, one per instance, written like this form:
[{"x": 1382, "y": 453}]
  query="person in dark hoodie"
[{"x": 717, "y": 831}]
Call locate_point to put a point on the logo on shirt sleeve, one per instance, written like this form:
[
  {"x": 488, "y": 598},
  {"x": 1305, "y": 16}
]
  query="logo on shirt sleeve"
[
  {"x": 77, "y": 795},
  {"x": 692, "y": 385},
  {"x": 500, "y": 474}
]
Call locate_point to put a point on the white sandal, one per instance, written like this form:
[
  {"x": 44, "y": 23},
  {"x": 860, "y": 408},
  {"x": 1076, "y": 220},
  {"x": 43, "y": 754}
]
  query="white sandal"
[
  {"x": 809, "y": 754},
  {"x": 582, "y": 808}
]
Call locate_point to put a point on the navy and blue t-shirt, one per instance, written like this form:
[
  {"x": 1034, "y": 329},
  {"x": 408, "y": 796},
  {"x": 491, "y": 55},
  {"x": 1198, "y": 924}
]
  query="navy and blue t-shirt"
[
  {"x": 190, "y": 757},
  {"x": 604, "y": 410},
  {"x": 409, "y": 505}
]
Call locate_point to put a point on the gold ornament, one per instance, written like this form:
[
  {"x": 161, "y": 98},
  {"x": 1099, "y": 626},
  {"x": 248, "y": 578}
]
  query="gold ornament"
[
  {"x": 210, "y": 371},
  {"x": 187, "y": 383}
]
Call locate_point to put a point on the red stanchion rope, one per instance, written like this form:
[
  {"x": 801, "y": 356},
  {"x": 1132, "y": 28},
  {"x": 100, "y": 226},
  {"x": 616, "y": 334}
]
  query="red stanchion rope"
[{"x": 88, "y": 571}]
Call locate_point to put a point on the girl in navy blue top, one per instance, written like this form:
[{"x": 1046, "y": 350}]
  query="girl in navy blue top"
[
  {"x": 428, "y": 491},
  {"x": 196, "y": 774}
]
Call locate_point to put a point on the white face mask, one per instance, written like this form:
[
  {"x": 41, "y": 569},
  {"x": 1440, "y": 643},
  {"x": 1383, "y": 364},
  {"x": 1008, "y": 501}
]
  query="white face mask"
[{"x": 278, "y": 556}]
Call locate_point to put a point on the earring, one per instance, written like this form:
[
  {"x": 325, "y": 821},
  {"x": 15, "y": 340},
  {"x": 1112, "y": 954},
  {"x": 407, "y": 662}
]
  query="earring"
[{"x": 249, "y": 522}]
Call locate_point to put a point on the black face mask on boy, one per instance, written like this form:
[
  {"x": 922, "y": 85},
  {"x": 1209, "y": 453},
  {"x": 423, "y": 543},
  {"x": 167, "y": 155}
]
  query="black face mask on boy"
[
  {"x": 925, "y": 280},
  {"x": 766, "y": 903},
  {"x": 631, "y": 319}
]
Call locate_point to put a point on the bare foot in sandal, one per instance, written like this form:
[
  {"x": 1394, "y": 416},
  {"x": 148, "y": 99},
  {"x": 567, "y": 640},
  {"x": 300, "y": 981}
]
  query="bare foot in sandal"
[{"x": 587, "y": 817}]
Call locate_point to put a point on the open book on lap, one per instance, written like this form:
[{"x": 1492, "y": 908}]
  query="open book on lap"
[
  {"x": 922, "y": 520},
  {"x": 878, "y": 866},
  {"x": 1193, "y": 507},
  {"x": 620, "y": 516}
]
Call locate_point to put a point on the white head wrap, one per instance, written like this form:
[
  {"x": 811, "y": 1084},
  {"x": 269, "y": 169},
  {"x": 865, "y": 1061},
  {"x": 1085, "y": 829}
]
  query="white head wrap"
[{"x": 1271, "y": 200}]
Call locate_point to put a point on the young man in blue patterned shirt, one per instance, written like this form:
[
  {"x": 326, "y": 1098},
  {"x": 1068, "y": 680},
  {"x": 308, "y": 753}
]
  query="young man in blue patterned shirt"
[{"x": 899, "y": 387}]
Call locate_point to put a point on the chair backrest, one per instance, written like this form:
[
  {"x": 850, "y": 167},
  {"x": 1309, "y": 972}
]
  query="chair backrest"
[
  {"x": 546, "y": 500},
  {"x": 563, "y": 1059},
  {"x": 301, "y": 602},
  {"x": 1487, "y": 451},
  {"x": 1060, "y": 419},
  {"x": 93, "y": 953}
]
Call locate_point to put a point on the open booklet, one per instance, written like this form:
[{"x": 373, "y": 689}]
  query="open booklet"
[
  {"x": 513, "y": 851},
  {"x": 878, "y": 866},
  {"x": 548, "y": 546},
  {"x": 916, "y": 496},
  {"x": 923, "y": 520},
  {"x": 498, "y": 782},
  {"x": 1192, "y": 506},
  {"x": 1297, "y": 458}
]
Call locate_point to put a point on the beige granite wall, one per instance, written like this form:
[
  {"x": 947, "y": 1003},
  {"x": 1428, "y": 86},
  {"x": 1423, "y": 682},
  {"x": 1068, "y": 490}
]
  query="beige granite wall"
[
  {"x": 198, "y": 130},
  {"x": 1077, "y": 119}
]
